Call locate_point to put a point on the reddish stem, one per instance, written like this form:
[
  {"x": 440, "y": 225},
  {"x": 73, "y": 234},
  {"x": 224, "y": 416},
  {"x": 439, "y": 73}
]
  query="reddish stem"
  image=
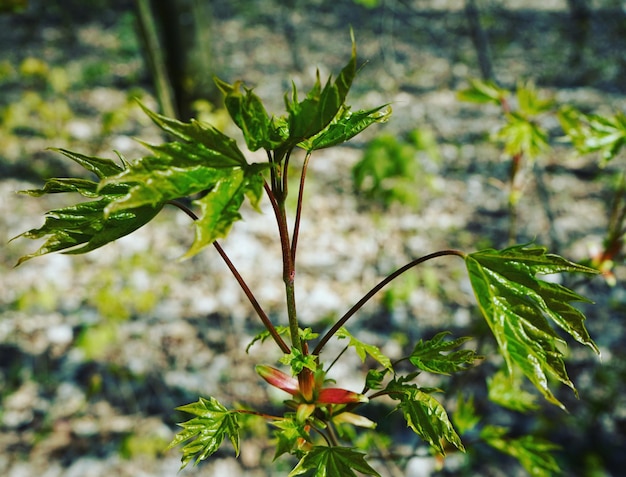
[
  {"x": 244, "y": 286},
  {"x": 342, "y": 321}
]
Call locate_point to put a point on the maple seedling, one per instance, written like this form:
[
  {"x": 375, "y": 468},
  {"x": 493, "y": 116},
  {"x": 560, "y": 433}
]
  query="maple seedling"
[{"x": 521, "y": 308}]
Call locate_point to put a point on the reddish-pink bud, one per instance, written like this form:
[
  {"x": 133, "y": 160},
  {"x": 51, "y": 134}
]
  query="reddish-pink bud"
[
  {"x": 278, "y": 379},
  {"x": 339, "y": 396}
]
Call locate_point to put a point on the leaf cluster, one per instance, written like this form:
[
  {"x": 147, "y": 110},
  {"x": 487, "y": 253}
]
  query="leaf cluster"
[
  {"x": 521, "y": 134},
  {"x": 526, "y": 314}
]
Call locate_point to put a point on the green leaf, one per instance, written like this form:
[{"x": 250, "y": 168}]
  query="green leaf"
[
  {"x": 85, "y": 227},
  {"x": 308, "y": 117},
  {"x": 428, "y": 355},
  {"x": 506, "y": 390},
  {"x": 517, "y": 306},
  {"x": 374, "y": 378},
  {"x": 208, "y": 145},
  {"x": 100, "y": 166},
  {"x": 425, "y": 416},
  {"x": 220, "y": 207},
  {"x": 249, "y": 114},
  {"x": 593, "y": 133},
  {"x": 533, "y": 453},
  {"x": 306, "y": 334},
  {"x": 208, "y": 430},
  {"x": 298, "y": 361},
  {"x": 529, "y": 102},
  {"x": 290, "y": 431},
  {"x": 523, "y": 136},
  {"x": 206, "y": 160},
  {"x": 323, "y": 461},
  {"x": 363, "y": 349},
  {"x": 465, "y": 418},
  {"x": 345, "y": 126},
  {"x": 483, "y": 92}
]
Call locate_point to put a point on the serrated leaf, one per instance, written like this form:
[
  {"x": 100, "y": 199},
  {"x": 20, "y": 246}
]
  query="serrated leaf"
[
  {"x": 374, "y": 378},
  {"x": 345, "y": 126},
  {"x": 506, "y": 390},
  {"x": 249, "y": 114},
  {"x": 265, "y": 335},
  {"x": 465, "y": 418},
  {"x": 213, "y": 148},
  {"x": 534, "y": 454},
  {"x": 290, "y": 435},
  {"x": 213, "y": 423},
  {"x": 517, "y": 306},
  {"x": 483, "y": 92},
  {"x": 523, "y": 136},
  {"x": 529, "y": 102},
  {"x": 314, "y": 113},
  {"x": 100, "y": 166},
  {"x": 207, "y": 160},
  {"x": 363, "y": 349},
  {"x": 220, "y": 207},
  {"x": 594, "y": 133},
  {"x": 84, "y": 227},
  {"x": 429, "y": 355},
  {"x": 323, "y": 461},
  {"x": 425, "y": 416},
  {"x": 297, "y": 361}
]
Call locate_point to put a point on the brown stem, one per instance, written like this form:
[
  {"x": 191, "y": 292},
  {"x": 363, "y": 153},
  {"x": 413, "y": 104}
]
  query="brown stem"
[
  {"x": 244, "y": 286},
  {"x": 342, "y": 321},
  {"x": 289, "y": 272},
  {"x": 296, "y": 225}
]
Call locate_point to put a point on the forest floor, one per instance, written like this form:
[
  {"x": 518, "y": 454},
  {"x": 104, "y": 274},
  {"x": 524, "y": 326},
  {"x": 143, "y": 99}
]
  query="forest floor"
[{"x": 96, "y": 351}]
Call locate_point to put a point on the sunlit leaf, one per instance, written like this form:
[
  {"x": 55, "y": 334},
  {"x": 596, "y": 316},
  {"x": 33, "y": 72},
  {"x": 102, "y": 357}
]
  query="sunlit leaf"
[
  {"x": 594, "y": 133},
  {"x": 533, "y": 453},
  {"x": 249, "y": 114},
  {"x": 308, "y": 117},
  {"x": 345, "y": 126},
  {"x": 464, "y": 417},
  {"x": 290, "y": 435},
  {"x": 322, "y": 461},
  {"x": 481, "y": 91},
  {"x": 212, "y": 148},
  {"x": 437, "y": 356},
  {"x": 523, "y": 136},
  {"x": 363, "y": 349},
  {"x": 205, "y": 161},
  {"x": 517, "y": 306},
  {"x": 425, "y": 416},
  {"x": 220, "y": 206},
  {"x": 506, "y": 390},
  {"x": 84, "y": 227},
  {"x": 529, "y": 102},
  {"x": 206, "y": 431}
]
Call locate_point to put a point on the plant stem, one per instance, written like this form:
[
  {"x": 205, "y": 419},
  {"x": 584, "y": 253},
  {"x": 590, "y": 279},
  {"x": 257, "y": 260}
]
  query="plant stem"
[
  {"x": 244, "y": 286},
  {"x": 296, "y": 225},
  {"x": 253, "y": 301},
  {"x": 289, "y": 272},
  {"x": 342, "y": 321}
]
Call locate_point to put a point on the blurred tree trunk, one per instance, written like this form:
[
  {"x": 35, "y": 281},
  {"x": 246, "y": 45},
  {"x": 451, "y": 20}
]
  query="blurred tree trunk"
[
  {"x": 176, "y": 36},
  {"x": 580, "y": 14},
  {"x": 480, "y": 40}
]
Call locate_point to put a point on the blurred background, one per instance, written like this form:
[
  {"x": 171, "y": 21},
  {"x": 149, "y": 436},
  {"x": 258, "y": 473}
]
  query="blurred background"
[{"x": 96, "y": 351}]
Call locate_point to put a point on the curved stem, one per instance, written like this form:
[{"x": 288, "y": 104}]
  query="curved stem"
[
  {"x": 296, "y": 225},
  {"x": 253, "y": 301},
  {"x": 244, "y": 286},
  {"x": 342, "y": 321}
]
